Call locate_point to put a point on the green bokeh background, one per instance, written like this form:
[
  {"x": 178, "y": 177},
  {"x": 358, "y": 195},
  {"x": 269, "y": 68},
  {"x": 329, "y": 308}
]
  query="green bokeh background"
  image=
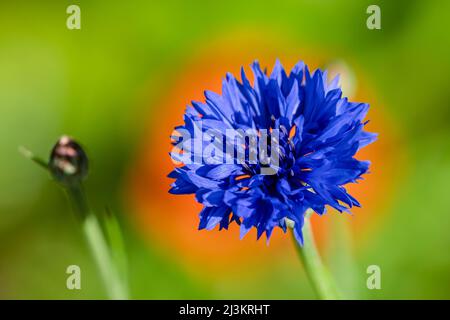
[{"x": 88, "y": 82}]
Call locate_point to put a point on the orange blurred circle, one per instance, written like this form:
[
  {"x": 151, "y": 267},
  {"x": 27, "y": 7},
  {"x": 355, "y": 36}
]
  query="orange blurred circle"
[{"x": 170, "y": 222}]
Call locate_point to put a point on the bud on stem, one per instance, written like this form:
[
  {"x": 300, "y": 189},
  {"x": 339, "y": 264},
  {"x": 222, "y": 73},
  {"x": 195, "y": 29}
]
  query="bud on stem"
[{"x": 68, "y": 165}]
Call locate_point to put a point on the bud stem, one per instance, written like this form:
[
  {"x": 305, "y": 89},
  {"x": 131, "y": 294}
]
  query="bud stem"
[
  {"x": 319, "y": 276},
  {"x": 79, "y": 201},
  {"x": 98, "y": 245},
  {"x": 115, "y": 287}
]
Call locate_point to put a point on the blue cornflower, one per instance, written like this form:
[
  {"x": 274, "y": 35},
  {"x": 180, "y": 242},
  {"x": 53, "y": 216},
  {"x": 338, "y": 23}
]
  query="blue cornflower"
[{"x": 305, "y": 122}]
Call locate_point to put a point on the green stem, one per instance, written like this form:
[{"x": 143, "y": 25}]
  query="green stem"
[
  {"x": 115, "y": 287},
  {"x": 318, "y": 274},
  {"x": 30, "y": 155},
  {"x": 100, "y": 251}
]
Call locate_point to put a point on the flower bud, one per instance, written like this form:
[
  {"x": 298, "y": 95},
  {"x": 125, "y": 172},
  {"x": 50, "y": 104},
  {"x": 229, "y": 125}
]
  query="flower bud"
[{"x": 68, "y": 162}]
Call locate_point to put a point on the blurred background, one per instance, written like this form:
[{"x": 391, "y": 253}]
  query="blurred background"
[{"x": 121, "y": 83}]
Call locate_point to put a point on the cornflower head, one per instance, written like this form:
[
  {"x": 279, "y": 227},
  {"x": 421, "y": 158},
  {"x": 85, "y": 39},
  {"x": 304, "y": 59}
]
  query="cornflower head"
[{"x": 261, "y": 155}]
